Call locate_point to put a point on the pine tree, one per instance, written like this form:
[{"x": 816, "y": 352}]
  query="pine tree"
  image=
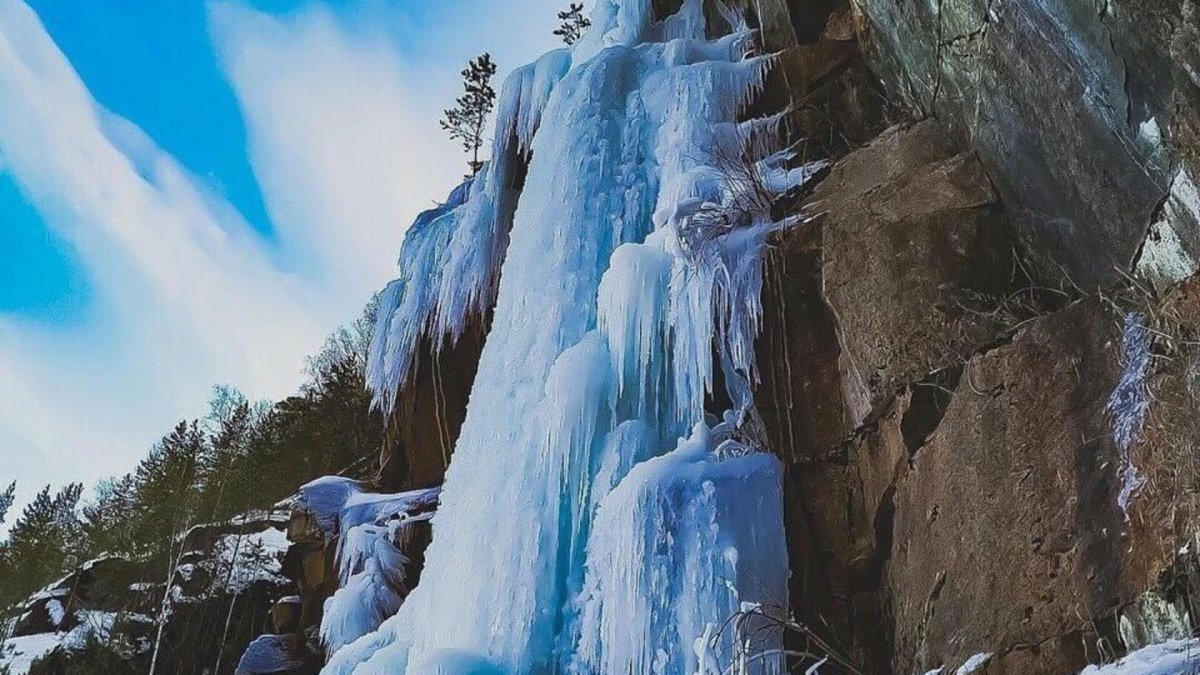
[
  {"x": 6, "y": 500},
  {"x": 573, "y": 23},
  {"x": 465, "y": 122},
  {"x": 109, "y": 522},
  {"x": 42, "y": 544},
  {"x": 166, "y": 492}
]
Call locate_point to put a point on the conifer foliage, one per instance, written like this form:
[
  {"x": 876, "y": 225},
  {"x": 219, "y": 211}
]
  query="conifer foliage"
[
  {"x": 465, "y": 122},
  {"x": 572, "y": 23},
  {"x": 207, "y": 470}
]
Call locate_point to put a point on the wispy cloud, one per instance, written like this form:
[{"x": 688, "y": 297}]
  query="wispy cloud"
[
  {"x": 186, "y": 292},
  {"x": 340, "y": 142},
  {"x": 342, "y": 120}
]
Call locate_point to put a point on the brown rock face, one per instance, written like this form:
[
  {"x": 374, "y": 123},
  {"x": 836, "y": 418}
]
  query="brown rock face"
[
  {"x": 429, "y": 413},
  {"x": 1072, "y": 107},
  {"x": 1007, "y": 527},
  {"x": 903, "y": 270}
]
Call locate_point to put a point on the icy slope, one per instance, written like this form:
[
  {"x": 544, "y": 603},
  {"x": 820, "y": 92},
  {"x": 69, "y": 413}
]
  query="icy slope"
[{"x": 568, "y": 537}]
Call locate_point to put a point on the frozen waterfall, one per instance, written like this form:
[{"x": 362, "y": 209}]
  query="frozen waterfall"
[{"x": 593, "y": 518}]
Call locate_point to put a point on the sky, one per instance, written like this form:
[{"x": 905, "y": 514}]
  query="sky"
[{"x": 197, "y": 192}]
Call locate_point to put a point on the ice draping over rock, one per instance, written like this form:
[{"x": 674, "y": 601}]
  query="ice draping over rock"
[
  {"x": 451, "y": 254},
  {"x": 374, "y": 530},
  {"x": 567, "y": 535},
  {"x": 685, "y": 538}
]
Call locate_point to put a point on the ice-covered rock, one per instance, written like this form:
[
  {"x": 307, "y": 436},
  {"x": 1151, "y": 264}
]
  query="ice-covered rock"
[{"x": 628, "y": 294}]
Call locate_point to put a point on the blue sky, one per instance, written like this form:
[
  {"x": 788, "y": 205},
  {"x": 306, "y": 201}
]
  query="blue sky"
[{"x": 195, "y": 192}]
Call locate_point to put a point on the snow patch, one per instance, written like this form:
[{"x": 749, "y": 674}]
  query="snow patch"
[
  {"x": 1176, "y": 657},
  {"x": 1169, "y": 254}
]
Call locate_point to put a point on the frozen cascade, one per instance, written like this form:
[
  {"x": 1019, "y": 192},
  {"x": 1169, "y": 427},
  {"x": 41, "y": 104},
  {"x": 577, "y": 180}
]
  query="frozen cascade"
[
  {"x": 567, "y": 537},
  {"x": 451, "y": 253},
  {"x": 374, "y": 531}
]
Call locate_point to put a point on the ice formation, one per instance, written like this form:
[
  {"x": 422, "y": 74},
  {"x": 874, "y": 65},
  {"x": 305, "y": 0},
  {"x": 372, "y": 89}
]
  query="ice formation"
[
  {"x": 570, "y": 536},
  {"x": 1129, "y": 404},
  {"x": 374, "y": 531}
]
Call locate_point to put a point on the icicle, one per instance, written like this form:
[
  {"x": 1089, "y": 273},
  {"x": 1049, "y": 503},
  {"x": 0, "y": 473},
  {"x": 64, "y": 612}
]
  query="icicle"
[
  {"x": 562, "y": 541},
  {"x": 677, "y": 547}
]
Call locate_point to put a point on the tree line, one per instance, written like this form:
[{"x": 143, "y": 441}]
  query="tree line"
[{"x": 241, "y": 456}]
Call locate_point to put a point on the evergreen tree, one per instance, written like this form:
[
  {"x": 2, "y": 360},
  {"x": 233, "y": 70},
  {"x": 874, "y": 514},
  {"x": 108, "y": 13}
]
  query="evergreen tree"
[
  {"x": 6, "y": 500},
  {"x": 42, "y": 544},
  {"x": 466, "y": 121},
  {"x": 572, "y": 23},
  {"x": 165, "y": 493},
  {"x": 109, "y": 521},
  {"x": 225, "y": 487}
]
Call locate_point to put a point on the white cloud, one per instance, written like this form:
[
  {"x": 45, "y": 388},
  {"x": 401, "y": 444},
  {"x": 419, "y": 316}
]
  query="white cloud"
[
  {"x": 344, "y": 158},
  {"x": 342, "y": 120},
  {"x": 187, "y": 293},
  {"x": 343, "y": 112}
]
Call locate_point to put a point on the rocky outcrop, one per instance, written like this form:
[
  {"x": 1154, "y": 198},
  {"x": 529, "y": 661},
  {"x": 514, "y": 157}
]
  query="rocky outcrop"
[
  {"x": 988, "y": 461},
  {"x": 429, "y": 411},
  {"x": 1082, "y": 112}
]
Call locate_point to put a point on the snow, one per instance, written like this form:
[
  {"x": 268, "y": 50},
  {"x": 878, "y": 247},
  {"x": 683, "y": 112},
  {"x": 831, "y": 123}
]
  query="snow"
[
  {"x": 339, "y": 503},
  {"x": 272, "y": 654},
  {"x": 19, "y": 653},
  {"x": 569, "y": 534},
  {"x": 1165, "y": 258},
  {"x": 1129, "y": 403},
  {"x": 55, "y": 609},
  {"x": 374, "y": 530},
  {"x": 1177, "y": 657},
  {"x": 243, "y": 560},
  {"x": 974, "y": 664}
]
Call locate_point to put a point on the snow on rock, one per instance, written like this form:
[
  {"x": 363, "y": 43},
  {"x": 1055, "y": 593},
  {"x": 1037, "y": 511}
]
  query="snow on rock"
[
  {"x": 339, "y": 504},
  {"x": 374, "y": 531},
  {"x": 1177, "y": 657},
  {"x": 273, "y": 654},
  {"x": 632, "y": 253},
  {"x": 19, "y": 653},
  {"x": 1165, "y": 258},
  {"x": 974, "y": 664},
  {"x": 244, "y": 560}
]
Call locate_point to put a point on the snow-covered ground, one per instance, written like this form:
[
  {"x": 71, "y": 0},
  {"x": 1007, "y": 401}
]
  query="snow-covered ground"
[{"x": 19, "y": 653}]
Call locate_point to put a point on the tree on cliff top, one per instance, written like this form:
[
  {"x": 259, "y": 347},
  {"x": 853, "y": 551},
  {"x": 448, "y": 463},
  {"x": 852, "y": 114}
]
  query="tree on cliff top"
[
  {"x": 573, "y": 23},
  {"x": 465, "y": 122}
]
